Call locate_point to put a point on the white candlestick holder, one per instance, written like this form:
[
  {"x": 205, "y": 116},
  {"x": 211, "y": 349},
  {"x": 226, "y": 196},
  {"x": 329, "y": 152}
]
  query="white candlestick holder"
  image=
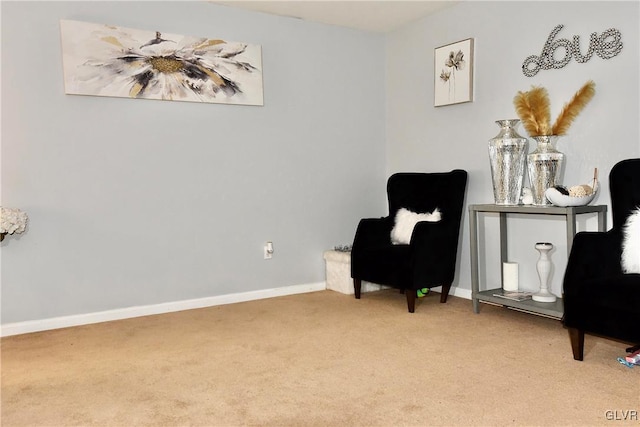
[{"x": 544, "y": 269}]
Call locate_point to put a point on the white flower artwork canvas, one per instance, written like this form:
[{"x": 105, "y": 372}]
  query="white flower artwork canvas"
[
  {"x": 106, "y": 60},
  {"x": 453, "y": 73}
]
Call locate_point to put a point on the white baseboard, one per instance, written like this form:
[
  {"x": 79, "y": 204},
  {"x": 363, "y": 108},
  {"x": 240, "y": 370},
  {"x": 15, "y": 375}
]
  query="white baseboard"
[
  {"x": 457, "y": 292},
  {"x": 147, "y": 310}
]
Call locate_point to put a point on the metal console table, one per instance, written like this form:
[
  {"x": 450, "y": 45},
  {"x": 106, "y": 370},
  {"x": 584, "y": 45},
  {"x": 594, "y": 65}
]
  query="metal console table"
[{"x": 553, "y": 310}]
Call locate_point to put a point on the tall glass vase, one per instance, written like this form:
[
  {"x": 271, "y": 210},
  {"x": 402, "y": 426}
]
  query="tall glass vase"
[
  {"x": 508, "y": 155},
  {"x": 545, "y": 167}
]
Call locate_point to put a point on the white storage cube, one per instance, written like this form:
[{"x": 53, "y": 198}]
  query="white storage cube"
[{"x": 338, "y": 274}]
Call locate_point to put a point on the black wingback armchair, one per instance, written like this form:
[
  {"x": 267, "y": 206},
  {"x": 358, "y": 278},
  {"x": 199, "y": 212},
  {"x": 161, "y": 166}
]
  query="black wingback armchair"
[
  {"x": 429, "y": 260},
  {"x": 598, "y": 297}
]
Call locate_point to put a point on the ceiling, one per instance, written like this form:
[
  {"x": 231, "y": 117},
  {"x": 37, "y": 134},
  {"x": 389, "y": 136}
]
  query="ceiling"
[{"x": 378, "y": 16}]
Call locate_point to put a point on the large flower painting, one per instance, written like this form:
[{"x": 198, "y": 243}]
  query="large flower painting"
[
  {"x": 104, "y": 60},
  {"x": 454, "y": 73}
]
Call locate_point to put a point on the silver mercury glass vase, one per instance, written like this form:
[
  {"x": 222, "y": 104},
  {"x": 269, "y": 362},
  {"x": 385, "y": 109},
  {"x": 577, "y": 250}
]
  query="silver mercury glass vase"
[
  {"x": 508, "y": 155},
  {"x": 545, "y": 167}
]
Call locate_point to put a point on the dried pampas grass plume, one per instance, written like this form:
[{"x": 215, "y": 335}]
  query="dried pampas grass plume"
[
  {"x": 572, "y": 108},
  {"x": 521, "y": 101},
  {"x": 533, "y": 109}
]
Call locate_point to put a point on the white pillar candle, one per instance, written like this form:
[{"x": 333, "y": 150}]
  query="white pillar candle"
[{"x": 510, "y": 276}]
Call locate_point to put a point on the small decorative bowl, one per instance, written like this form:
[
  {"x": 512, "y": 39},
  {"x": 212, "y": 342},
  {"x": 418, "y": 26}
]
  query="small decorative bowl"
[{"x": 562, "y": 200}]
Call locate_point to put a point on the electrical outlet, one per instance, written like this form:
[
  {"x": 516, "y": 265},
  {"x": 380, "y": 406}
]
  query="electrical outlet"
[{"x": 268, "y": 250}]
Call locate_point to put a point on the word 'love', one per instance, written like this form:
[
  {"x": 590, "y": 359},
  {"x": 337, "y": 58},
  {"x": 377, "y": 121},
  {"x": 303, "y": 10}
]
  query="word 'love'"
[{"x": 606, "y": 46}]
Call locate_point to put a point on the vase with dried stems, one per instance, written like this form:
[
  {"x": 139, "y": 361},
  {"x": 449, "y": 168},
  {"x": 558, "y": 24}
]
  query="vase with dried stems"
[
  {"x": 545, "y": 163},
  {"x": 545, "y": 167}
]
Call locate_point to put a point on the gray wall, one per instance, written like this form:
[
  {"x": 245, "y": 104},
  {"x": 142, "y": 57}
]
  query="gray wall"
[
  {"x": 139, "y": 202},
  {"x": 422, "y": 137},
  {"x": 136, "y": 202}
]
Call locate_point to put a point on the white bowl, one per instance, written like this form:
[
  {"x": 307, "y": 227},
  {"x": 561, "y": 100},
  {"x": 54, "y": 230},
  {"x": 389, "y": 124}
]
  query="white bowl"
[{"x": 562, "y": 200}]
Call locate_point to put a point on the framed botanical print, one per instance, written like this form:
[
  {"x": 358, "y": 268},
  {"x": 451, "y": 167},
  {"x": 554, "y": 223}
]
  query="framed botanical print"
[{"x": 453, "y": 73}]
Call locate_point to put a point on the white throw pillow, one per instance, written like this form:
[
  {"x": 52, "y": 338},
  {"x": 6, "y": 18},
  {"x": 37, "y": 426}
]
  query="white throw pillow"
[
  {"x": 631, "y": 243},
  {"x": 405, "y": 222}
]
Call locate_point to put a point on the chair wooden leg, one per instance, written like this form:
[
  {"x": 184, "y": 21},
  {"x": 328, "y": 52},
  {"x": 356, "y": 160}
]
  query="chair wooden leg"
[
  {"x": 411, "y": 300},
  {"x": 633, "y": 348},
  {"x": 577, "y": 343},
  {"x": 445, "y": 293},
  {"x": 357, "y": 286}
]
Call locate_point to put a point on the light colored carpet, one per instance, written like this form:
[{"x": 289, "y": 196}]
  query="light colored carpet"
[{"x": 318, "y": 359}]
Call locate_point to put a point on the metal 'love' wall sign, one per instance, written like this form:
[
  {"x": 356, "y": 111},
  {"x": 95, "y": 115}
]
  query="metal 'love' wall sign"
[{"x": 606, "y": 46}]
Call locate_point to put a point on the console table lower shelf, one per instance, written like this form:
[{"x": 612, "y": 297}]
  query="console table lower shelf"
[{"x": 554, "y": 310}]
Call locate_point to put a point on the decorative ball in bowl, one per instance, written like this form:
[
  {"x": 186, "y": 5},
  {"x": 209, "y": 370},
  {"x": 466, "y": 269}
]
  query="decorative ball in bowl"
[{"x": 578, "y": 195}]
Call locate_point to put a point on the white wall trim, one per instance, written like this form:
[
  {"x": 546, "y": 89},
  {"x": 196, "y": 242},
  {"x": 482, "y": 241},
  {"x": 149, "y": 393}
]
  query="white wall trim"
[
  {"x": 147, "y": 310},
  {"x": 460, "y": 292},
  {"x": 455, "y": 291}
]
